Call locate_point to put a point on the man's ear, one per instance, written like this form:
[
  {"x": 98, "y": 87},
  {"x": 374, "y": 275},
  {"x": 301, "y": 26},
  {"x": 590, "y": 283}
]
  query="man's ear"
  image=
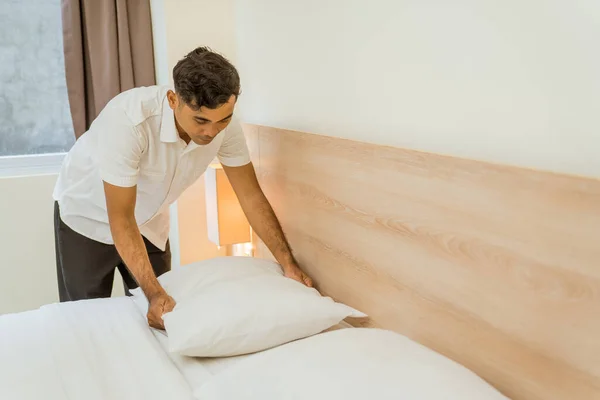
[{"x": 173, "y": 99}]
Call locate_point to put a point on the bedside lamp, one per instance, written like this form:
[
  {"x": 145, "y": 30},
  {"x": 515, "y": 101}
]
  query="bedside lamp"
[{"x": 227, "y": 225}]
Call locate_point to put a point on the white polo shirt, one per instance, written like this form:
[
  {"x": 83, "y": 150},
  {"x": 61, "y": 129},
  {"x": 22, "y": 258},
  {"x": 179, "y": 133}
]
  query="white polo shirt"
[{"x": 132, "y": 142}]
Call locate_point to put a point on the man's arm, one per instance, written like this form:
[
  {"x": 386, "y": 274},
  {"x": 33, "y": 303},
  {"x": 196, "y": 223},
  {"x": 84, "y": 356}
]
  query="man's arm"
[
  {"x": 120, "y": 202},
  {"x": 263, "y": 220}
]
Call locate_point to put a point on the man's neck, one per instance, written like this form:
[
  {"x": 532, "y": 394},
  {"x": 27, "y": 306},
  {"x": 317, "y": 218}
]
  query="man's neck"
[{"x": 182, "y": 133}]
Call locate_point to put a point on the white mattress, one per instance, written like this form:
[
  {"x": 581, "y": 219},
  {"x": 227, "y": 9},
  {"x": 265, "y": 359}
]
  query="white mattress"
[{"x": 93, "y": 350}]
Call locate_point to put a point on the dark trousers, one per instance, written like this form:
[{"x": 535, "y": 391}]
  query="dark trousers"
[{"x": 86, "y": 268}]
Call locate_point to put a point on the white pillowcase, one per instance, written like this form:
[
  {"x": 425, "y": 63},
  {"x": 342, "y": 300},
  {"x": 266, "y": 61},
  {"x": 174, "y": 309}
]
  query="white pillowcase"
[
  {"x": 238, "y": 305},
  {"x": 349, "y": 364}
]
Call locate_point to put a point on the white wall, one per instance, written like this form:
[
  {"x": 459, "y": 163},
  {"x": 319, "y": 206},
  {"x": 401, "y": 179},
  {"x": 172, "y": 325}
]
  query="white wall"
[
  {"x": 27, "y": 264},
  {"x": 193, "y": 23},
  {"x": 27, "y": 258},
  {"x": 514, "y": 82}
]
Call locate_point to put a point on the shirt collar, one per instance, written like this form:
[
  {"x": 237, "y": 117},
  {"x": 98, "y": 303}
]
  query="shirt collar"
[{"x": 168, "y": 131}]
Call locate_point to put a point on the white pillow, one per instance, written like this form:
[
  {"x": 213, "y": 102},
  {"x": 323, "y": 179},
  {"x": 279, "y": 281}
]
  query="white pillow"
[
  {"x": 238, "y": 305},
  {"x": 349, "y": 364}
]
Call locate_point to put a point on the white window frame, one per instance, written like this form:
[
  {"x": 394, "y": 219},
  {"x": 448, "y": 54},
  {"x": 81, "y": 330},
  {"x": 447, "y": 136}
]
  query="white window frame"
[{"x": 31, "y": 164}]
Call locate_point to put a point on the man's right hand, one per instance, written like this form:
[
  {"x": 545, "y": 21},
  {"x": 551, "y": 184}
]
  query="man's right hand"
[
  {"x": 159, "y": 304},
  {"x": 120, "y": 204}
]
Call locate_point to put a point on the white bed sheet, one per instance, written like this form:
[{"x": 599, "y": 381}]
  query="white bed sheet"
[
  {"x": 197, "y": 371},
  {"x": 94, "y": 350}
]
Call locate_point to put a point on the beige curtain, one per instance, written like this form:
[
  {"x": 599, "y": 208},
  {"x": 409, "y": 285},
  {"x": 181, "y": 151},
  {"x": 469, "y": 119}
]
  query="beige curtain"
[{"x": 108, "y": 49}]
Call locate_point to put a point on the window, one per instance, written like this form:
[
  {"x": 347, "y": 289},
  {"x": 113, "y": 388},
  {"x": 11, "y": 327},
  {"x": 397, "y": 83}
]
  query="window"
[{"x": 34, "y": 109}]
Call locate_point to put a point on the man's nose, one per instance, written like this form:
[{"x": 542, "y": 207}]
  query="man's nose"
[{"x": 213, "y": 131}]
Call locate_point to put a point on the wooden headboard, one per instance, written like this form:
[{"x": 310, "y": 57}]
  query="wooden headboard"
[{"x": 493, "y": 266}]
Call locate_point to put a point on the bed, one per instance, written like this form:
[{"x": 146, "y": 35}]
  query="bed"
[
  {"x": 466, "y": 259},
  {"x": 103, "y": 349}
]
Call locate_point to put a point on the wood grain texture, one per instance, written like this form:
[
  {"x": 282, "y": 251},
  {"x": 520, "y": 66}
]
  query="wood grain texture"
[{"x": 493, "y": 266}]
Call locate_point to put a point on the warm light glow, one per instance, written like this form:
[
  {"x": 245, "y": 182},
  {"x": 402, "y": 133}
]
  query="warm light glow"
[
  {"x": 248, "y": 249},
  {"x": 226, "y": 223}
]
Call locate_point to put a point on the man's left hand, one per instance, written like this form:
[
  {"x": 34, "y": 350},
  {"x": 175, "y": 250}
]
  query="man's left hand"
[{"x": 294, "y": 272}]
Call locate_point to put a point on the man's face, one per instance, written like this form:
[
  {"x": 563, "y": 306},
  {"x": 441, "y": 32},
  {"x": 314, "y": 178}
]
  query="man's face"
[{"x": 201, "y": 125}]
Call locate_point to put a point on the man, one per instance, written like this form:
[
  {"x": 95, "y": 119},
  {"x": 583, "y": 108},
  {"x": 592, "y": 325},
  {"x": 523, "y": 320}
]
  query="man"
[{"x": 143, "y": 150}]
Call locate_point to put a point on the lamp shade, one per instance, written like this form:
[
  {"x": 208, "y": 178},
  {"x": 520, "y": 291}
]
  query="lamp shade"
[{"x": 226, "y": 222}]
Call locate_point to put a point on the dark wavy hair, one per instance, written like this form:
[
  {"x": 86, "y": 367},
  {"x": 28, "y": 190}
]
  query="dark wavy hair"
[{"x": 204, "y": 78}]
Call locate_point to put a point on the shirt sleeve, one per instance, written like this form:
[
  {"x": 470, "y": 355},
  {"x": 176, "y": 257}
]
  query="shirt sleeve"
[
  {"x": 120, "y": 148},
  {"x": 234, "y": 150}
]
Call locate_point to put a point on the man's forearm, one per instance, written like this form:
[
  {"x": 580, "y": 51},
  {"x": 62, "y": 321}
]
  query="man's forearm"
[
  {"x": 131, "y": 248},
  {"x": 262, "y": 218}
]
